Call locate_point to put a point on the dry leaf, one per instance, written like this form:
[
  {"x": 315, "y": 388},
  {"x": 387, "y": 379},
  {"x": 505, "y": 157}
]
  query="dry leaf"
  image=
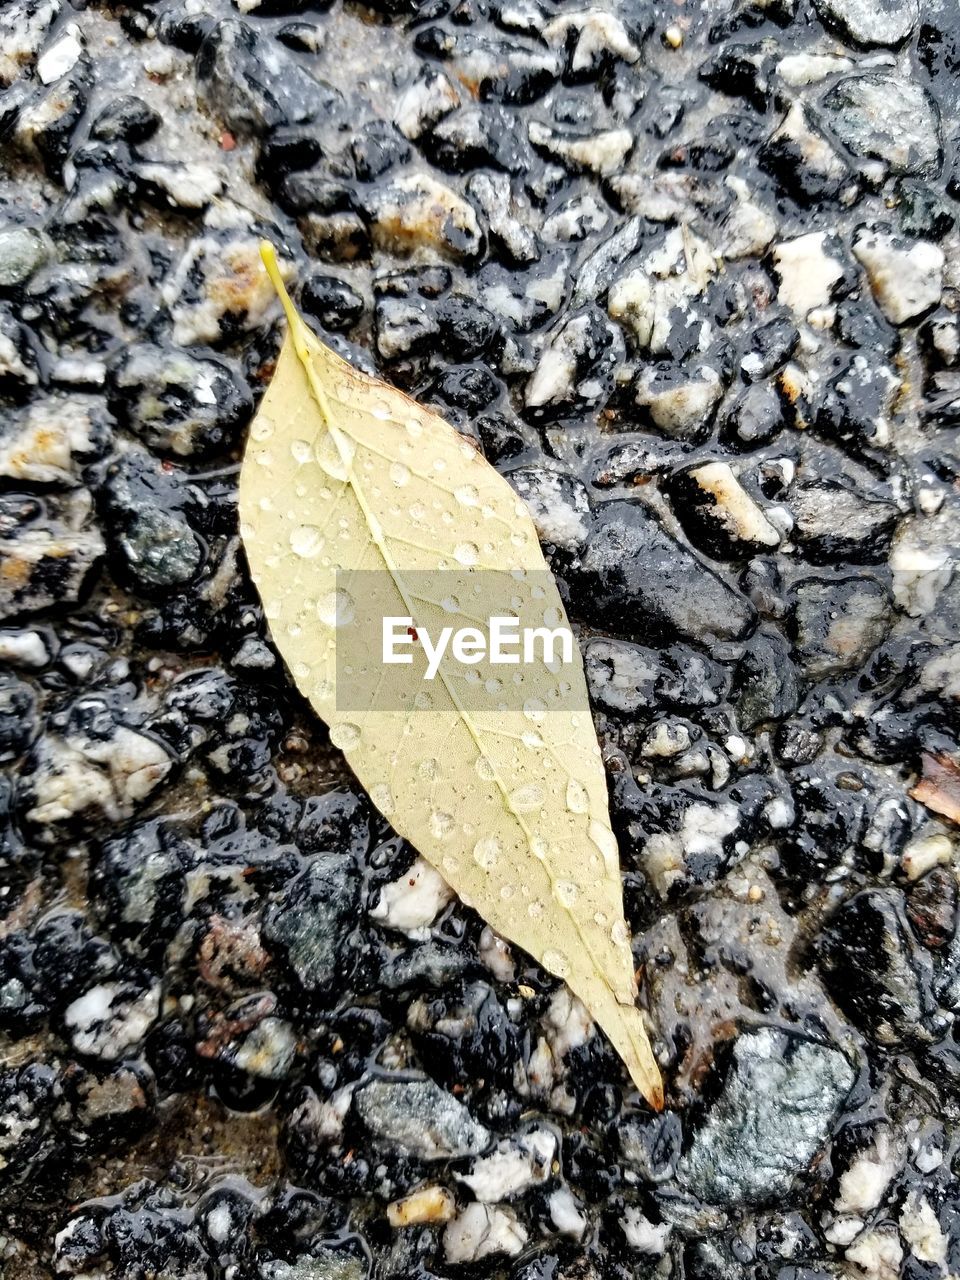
[{"x": 508, "y": 802}]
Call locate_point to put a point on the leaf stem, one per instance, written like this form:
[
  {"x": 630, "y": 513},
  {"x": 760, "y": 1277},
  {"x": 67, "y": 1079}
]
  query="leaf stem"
[{"x": 268, "y": 256}]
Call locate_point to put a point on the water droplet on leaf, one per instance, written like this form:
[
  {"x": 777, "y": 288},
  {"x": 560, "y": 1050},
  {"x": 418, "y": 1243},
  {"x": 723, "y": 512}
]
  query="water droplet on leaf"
[
  {"x": 306, "y": 540},
  {"x": 345, "y": 735},
  {"x": 336, "y": 608},
  {"x": 466, "y": 553},
  {"x": 487, "y": 851},
  {"x": 577, "y": 799}
]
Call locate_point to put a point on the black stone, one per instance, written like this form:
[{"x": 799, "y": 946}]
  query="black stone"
[
  {"x": 253, "y": 92},
  {"x": 332, "y": 301},
  {"x": 877, "y": 975},
  {"x": 632, "y": 577}
]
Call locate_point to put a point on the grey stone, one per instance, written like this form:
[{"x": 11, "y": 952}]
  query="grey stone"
[
  {"x": 160, "y": 548},
  {"x": 420, "y": 1118},
  {"x": 652, "y": 1147},
  {"x": 599, "y": 269},
  {"x": 838, "y": 623},
  {"x": 773, "y": 1116},
  {"x": 146, "y": 508},
  {"x": 629, "y": 679},
  {"x": 310, "y": 918},
  {"x": 883, "y": 117},
  {"x": 558, "y": 503},
  {"x": 325, "y": 1264},
  {"x": 768, "y": 687},
  {"x": 22, "y": 251},
  {"x": 871, "y": 22},
  {"x": 875, "y": 970},
  {"x": 834, "y": 521}
]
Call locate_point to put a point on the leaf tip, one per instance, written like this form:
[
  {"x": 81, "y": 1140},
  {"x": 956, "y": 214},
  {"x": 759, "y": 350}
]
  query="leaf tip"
[
  {"x": 654, "y": 1094},
  {"x": 646, "y": 1076},
  {"x": 625, "y": 1027}
]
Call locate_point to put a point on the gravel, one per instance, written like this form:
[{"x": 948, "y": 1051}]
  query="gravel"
[{"x": 688, "y": 277}]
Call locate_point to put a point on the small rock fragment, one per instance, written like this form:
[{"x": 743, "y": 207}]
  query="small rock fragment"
[
  {"x": 642, "y": 1234},
  {"x": 807, "y": 272},
  {"x": 310, "y": 919},
  {"x": 413, "y": 901},
  {"x": 61, "y": 56},
  {"x": 768, "y": 686},
  {"x": 939, "y": 785},
  {"x": 494, "y": 196},
  {"x": 884, "y": 117},
  {"x": 178, "y": 402},
  {"x": 254, "y": 86},
  {"x": 420, "y": 1118},
  {"x": 800, "y": 69},
  {"x": 96, "y": 778},
  {"x": 416, "y": 211},
  {"x": 633, "y": 577},
  {"x": 426, "y": 1204},
  {"x": 835, "y": 521},
  {"x": 110, "y": 1019},
  {"x": 600, "y": 153},
  {"x": 568, "y": 366},
  {"x": 872, "y": 967},
  {"x": 717, "y": 513},
  {"x": 838, "y": 623},
  {"x": 748, "y": 228},
  {"x": 597, "y": 34},
  {"x": 679, "y": 404},
  {"x": 778, "y": 1103},
  {"x": 801, "y": 159},
  {"x": 512, "y": 1167},
  {"x": 558, "y": 503},
  {"x": 877, "y": 1253},
  {"x": 23, "y": 250},
  {"x": 52, "y": 439},
  {"x": 655, "y": 301},
  {"x": 868, "y": 22},
  {"x": 44, "y": 567},
  {"x": 23, "y": 25},
  {"x": 906, "y": 278},
  {"x": 219, "y": 286},
  {"x": 428, "y": 99},
  {"x": 482, "y": 1230}
]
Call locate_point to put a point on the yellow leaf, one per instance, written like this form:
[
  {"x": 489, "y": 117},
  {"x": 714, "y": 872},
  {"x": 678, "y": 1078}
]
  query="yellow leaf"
[{"x": 345, "y": 476}]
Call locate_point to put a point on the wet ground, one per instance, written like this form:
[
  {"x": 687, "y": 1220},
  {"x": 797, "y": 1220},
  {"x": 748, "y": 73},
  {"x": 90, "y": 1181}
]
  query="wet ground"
[{"x": 689, "y": 276}]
